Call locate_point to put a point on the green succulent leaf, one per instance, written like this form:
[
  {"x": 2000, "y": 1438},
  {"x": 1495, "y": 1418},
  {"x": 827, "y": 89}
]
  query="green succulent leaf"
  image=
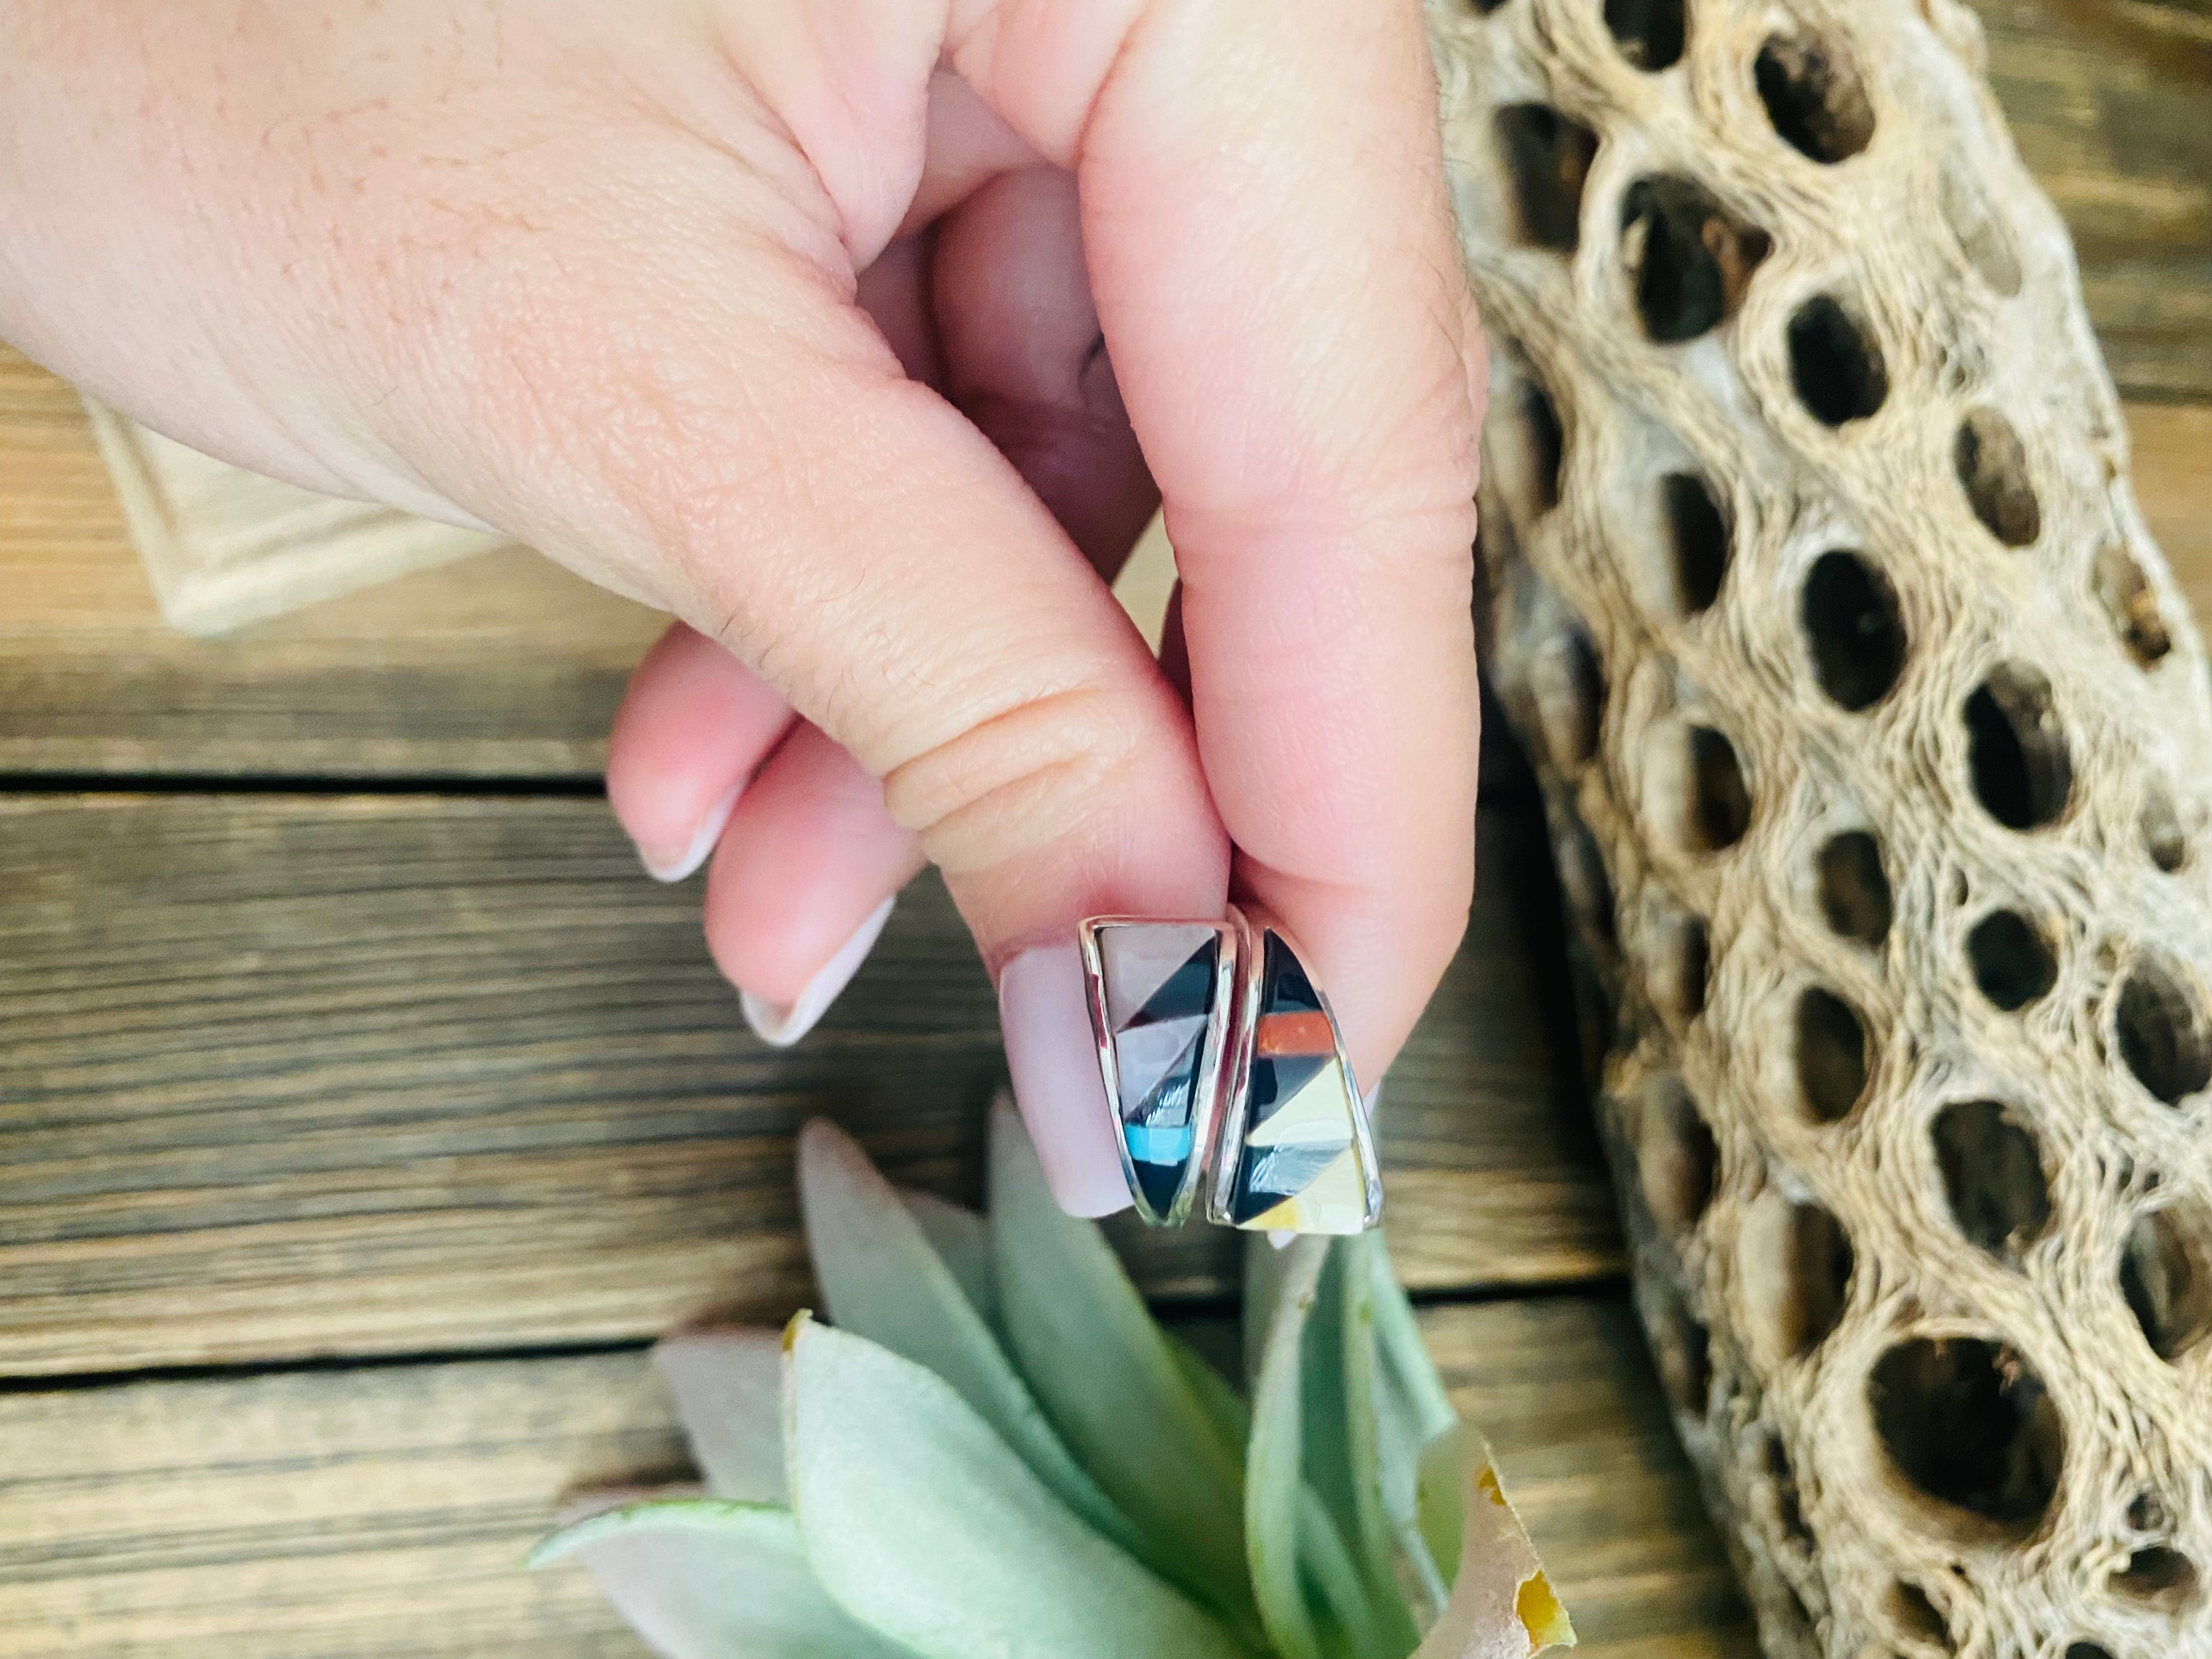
[
  {"x": 729, "y": 1392},
  {"x": 1223, "y": 1407},
  {"x": 1359, "y": 1403},
  {"x": 1274, "y": 1479},
  {"x": 1111, "y": 1381},
  {"x": 707, "y": 1579},
  {"x": 1325, "y": 1551},
  {"x": 961, "y": 1239},
  {"x": 922, "y": 1522},
  {"x": 746, "y": 1525},
  {"x": 1409, "y": 1410},
  {"x": 883, "y": 1280}
]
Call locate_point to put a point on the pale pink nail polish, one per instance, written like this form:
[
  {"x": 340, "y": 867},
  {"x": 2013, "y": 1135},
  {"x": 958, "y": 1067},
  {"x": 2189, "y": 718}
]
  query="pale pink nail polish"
[
  {"x": 1051, "y": 1058},
  {"x": 678, "y": 866},
  {"x": 781, "y": 1025}
]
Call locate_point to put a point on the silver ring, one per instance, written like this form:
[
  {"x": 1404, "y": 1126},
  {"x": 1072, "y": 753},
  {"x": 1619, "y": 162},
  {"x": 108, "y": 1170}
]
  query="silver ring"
[{"x": 1226, "y": 1072}]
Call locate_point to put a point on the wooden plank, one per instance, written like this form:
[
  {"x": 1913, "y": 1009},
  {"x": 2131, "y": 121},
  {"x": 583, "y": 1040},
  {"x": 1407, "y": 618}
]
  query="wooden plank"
[
  {"x": 2107, "y": 100},
  {"x": 505, "y": 666},
  {"x": 291, "y": 1076},
  {"x": 380, "y": 1513}
]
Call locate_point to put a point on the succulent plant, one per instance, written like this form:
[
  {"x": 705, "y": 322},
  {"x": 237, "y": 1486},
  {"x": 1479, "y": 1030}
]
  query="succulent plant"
[{"x": 996, "y": 1450}]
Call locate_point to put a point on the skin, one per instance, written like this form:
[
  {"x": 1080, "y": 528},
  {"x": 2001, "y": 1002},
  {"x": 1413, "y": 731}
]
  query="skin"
[{"x": 861, "y": 335}]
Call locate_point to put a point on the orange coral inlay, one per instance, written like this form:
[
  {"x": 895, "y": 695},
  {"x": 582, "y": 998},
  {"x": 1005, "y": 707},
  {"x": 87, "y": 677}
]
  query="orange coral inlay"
[{"x": 1302, "y": 1033}]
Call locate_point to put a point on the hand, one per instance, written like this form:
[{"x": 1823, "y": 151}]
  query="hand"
[{"x": 862, "y": 336}]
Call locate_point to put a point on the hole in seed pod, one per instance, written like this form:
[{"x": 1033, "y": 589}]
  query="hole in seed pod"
[
  {"x": 1795, "y": 1270},
  {"x": 2087, "y": 1650},
  {"x": 1835, "y": 363},
  {"x": 1529, "y": 449},
  {"x": 1993, "y": 1175},
  {"x": 2166, "y": 1274},
  {"x": 1649, "y": 33},
  {"x": 1854, "y": 892},
  {"x": 2160, "y": 1575},
  {"x": 2012, "y": 962},
  {"x": 2125, "y": 591},
  {"x": 1568, "y": 688},
  {"x": 1597, "y": 1020},
  {"x": 1967, "y": 1422},
  {"x": 1689, "y": 257},
  {"x": 1814, "y": 97},
  {"x": 1981, "y": 236},
  {"x": 2015, "y": 749},
  {"x": 1916, "y": 1617},
  {"x": 1992, "y": 466},
  {"x": 1719, "y": 799},
  {"x": 1583, "y": 880},
  {"x": 1684, "y": 1352},
  {"x": 2162, "y": 835},
  {"x": 1781, "y": 1485},
  {"x": 1858, "y": 637},
  {"x": 1699, "y": 537},
  {"x": 2160, "y": 1021},
  {"x": 1677, "y": 1161},
  {"x": 1683, "y": 970},
  {"x": 1547, "y": 158},
  {"x": 2146, "y": 1513},
  {"x": 1832, "y": 1055}
]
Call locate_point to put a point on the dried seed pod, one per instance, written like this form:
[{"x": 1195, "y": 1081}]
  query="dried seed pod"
[{"x": 1876, "y": 744}]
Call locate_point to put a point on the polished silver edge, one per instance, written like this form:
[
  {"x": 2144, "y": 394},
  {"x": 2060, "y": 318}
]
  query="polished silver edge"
[
  {"x": 1255, "y": 924},
  {"x": 1206, "y": 1101},
  {"x": 1237, "y": 1082}
]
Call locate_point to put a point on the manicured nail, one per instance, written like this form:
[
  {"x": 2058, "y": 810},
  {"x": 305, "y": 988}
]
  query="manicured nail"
[
  {"x": 667, "y": 868},
  {"x": 1052, "y": 1059},
  {"x": 781, "y": 1026}
]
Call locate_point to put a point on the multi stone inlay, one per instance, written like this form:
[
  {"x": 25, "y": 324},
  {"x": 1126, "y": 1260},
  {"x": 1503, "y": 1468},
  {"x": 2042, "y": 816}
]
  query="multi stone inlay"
[
  {"x": 1199, "y": 1020},
  {"x": 1300, "y": 1163},
  {"x": 1164, "y": 1011}
]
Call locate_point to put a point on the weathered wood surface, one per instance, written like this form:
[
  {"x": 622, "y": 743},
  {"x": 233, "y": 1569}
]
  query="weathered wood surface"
[
  {"x": 287, "y": 1076},
  {"x": 504, "y": 666},
  {"x": 381, "y": 1512},
  {"x": 2107, "y": 101}
]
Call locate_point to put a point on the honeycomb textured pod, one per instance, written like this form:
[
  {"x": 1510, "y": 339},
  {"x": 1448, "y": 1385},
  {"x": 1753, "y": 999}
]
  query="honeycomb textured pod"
[{"x": 1876, "y": 747}]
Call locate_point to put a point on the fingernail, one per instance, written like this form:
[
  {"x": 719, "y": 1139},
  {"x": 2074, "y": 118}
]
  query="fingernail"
[
  {"x": 781, "y": 1026},
  {"x": 676, "y": 867},
  {"x": 1052, "y": 1059}
]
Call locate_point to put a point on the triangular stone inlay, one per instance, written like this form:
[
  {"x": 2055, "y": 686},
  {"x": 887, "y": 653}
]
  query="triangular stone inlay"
[
  {"x": 1299, "y": 1165},
  {"x": 1159, "y": 998}
]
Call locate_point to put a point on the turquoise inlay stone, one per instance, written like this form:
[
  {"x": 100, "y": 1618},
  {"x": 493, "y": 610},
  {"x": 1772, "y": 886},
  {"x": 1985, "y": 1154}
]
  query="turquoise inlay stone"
[{"x": 1160, "y": 992}]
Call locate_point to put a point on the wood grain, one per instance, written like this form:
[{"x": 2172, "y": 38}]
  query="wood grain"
[
  {"x": 2107, "y": 100},
  {"x": 502, "y": 666},
  {"x": 310, "y": 1075},
  {"x": 380, "y": 1512}
]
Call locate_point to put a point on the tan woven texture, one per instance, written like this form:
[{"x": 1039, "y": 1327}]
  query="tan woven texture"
[{"x": 1876, "y": 747}]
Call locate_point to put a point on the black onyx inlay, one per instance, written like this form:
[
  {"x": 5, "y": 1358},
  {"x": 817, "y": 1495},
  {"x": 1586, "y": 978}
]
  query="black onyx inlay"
[
  {"x": 1270, "y": 1175},
  {"x": 1298, "y": 1121},
  {"x": 1160, "y": 1051}
]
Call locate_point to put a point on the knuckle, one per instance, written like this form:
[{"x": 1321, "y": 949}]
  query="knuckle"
[{"x": 1022, "y": 777}]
